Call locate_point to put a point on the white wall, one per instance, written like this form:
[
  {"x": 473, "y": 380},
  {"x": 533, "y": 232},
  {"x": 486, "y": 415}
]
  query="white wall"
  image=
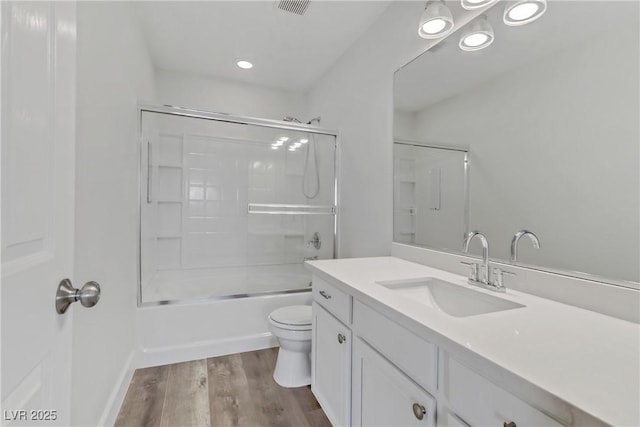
[
  {"x": 567, "y": 171},
  {"x": 113, "y": 72},
  {"x": 403, "y": 124},
  {"x": 227, "y": 96},
  {"x": 356, "y": 95}
]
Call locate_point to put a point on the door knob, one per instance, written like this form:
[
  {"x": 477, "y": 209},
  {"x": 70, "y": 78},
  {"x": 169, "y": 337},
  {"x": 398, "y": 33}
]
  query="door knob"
[{"x": 88, "y": 295}]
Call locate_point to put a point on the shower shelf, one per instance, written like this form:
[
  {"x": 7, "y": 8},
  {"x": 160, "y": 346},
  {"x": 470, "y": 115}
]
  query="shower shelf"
[
  {"x": 170, "y": 201},
  {"x": 169, "y": 236},
  {"x": 168, "y": 165}
]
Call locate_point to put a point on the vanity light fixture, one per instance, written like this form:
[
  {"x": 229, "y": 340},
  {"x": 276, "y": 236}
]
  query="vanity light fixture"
[
  {"x": 522, "y": 12},
  {"x": 245, "y": 65},
  {"x": 475, "y": 4},
  {"x": 436, "y": 20},
  {"x": 477, "y": 35}
]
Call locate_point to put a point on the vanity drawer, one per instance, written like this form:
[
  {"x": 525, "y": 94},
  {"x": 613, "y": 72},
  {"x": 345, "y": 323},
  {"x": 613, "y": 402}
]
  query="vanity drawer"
[
  {"x": 479, "y": 402},
  {"x": 416, "y": 357},
  {"x": 334, "y": 300}
]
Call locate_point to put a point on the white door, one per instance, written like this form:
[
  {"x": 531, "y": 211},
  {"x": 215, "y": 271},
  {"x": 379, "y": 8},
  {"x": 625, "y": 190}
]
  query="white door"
[{"x": 38, "y": 138}]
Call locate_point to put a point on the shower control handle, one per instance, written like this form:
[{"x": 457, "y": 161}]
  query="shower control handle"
[
  {"x": 341, "y": 338},
  {"x": 325, "y": 295},
  {"x": 88, "y": 295}
]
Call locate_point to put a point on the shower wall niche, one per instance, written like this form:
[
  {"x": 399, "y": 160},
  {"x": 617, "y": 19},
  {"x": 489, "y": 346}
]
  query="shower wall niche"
[{"x": 232, "y": 208}]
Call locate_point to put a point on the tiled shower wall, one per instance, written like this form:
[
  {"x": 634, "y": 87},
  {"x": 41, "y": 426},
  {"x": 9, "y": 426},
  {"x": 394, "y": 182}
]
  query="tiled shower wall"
[{"x": 200, "y": 189}]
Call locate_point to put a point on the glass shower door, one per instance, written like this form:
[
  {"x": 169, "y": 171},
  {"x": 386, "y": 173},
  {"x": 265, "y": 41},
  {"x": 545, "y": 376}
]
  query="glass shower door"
[{"x": 232, "y": 209}]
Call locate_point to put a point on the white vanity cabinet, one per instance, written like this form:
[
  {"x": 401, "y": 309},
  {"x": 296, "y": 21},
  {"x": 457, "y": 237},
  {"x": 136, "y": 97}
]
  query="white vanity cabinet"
[
  {"x": 479, "y": 402},
  {"x": 370, "y": 370},
  {"x": 331, "y": 352},
  {"x": 384, "y": 396}
]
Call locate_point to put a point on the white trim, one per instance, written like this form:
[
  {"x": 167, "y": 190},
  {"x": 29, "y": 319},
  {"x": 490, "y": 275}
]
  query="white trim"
[
  {"x": 204, "y": 349},
  {"x": 112, "y": 407}
]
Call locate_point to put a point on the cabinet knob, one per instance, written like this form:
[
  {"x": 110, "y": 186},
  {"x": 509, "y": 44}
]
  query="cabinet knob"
[
  {"x": 509, "y": 424},
  {"x": 419, "y": 411},
  {"x": 341, "y": 338},
  {"x": 325, "y": 295}
]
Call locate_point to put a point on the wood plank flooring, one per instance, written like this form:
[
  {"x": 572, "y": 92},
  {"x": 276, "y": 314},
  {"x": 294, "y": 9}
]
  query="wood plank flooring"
[{"x": 233, "y": 390}]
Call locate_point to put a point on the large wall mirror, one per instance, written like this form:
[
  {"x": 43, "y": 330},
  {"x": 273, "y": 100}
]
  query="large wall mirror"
[{"x": 539, "y": 131}]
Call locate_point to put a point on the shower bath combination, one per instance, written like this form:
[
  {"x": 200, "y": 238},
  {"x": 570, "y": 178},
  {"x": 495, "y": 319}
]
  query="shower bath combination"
[{"x": 226, "y": 212}]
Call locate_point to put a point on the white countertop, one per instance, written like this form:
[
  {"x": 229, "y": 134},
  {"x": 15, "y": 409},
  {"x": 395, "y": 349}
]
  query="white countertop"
[{"x": 588, "y": 360}]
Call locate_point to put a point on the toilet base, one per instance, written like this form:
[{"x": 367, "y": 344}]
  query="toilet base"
[{"x": 293, "y": 368}]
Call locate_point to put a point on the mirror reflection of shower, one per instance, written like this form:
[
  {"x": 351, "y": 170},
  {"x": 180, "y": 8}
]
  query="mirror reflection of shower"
[{"x": 310, "y": 179}]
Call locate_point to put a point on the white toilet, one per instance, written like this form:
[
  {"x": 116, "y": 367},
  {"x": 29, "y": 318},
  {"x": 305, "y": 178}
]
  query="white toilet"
[{"x": 292, "y": 326}]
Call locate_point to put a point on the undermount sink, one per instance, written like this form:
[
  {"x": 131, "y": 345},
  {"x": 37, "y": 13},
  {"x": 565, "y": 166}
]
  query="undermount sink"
[{"x": 449, "y": 298}]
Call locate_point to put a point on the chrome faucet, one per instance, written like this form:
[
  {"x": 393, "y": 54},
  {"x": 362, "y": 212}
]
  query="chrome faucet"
[
  {"x": 516, "y": 240},
  {"x": 483, "y": 274}
]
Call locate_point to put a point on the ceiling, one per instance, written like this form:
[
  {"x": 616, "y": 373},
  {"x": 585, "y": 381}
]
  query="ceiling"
[
  {"x": 446, "y": 70},
  {"x": 289, "y": 51}
]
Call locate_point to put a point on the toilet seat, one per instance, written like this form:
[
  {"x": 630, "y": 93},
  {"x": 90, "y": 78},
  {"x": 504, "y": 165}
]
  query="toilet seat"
[{"x": 294, "y": 317}]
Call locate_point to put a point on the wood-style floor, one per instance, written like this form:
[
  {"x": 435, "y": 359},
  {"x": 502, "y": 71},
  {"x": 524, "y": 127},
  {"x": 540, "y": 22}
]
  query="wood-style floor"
[{"x": 234, "y": 390}]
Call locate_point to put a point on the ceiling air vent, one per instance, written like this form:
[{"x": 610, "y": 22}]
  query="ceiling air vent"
[{"x": 299, "y": 7}]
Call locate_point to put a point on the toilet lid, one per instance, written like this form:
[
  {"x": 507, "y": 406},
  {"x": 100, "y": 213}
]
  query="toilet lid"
[{"x": 294, "y": 315}]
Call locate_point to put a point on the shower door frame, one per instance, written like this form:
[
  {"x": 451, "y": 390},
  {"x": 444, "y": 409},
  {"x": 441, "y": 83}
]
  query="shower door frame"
[{"x": 242, "y": 120}]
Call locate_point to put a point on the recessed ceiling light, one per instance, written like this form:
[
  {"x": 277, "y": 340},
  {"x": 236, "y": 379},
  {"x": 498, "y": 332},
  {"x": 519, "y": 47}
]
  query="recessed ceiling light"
[
  {"x": 523, "y": 11},
  {"x": 245, "y": 65}
]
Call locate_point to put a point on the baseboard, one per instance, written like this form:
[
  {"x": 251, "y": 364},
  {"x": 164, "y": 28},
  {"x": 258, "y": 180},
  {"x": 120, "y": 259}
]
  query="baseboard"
[
  {"x": 118, "y": 393},
  {"x": 204, "y": 349}
]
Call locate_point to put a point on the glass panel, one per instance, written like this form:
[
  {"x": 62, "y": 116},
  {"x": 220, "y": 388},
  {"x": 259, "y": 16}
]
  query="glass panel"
[
  {"x": 430, "y": 195},
  {"x": 232, "y": 209}
]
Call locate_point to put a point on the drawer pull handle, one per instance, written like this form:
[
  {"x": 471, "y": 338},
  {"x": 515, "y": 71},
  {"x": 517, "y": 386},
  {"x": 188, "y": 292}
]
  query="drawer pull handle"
[
  {"x": 325, "y": 295},
  {"x": 509, "y": 424},
  {"x": 341, "y": 338},
  {"x": 419, "y": 411}
]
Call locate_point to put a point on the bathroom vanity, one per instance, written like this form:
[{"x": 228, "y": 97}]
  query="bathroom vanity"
[{"x": 399, "y": 343}]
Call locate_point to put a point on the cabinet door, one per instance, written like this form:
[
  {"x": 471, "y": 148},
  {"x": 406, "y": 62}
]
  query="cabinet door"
[
  {"x": 482, "y": 403},
  {"x": 331, "y": 366},
  {"x": 384, "y": 396}
]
